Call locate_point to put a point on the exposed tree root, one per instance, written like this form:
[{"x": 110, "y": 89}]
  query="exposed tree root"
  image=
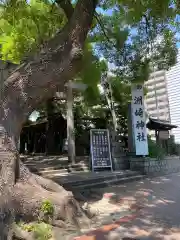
[
  {"x": 32, "y": 190},
  {"x": 26, "y": 199},
  {"x": 19, "y": 233}
]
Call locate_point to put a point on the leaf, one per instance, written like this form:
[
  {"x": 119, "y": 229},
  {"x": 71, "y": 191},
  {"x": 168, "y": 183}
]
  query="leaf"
[{"x": 26, "y": 26}]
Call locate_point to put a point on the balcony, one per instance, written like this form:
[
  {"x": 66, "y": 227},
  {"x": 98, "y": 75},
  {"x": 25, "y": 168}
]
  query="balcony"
[
  {"x": 158, "y": 79},
  {"x": 150, "y": 101},
  {"x": 161, "y": 92}
]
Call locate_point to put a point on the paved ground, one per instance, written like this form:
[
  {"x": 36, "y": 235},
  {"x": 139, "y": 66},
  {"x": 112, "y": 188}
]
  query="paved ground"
[{"x": 158, "y": 216}]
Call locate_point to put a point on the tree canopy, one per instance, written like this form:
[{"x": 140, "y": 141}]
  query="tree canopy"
[
  {"x": 127, "y": 33},
  {"x": 53, "y": 42},
  {"x": 25, "y": 26},
  {"x": 136, "y": 37}
]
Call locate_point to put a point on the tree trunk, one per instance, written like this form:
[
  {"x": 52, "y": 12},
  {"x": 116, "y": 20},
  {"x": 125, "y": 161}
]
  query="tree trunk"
[
  {"x": 70, "y": 124},
  {"x": 9, "y": 172},
  {"x": 22, "y": 200},
  {"x": 27, "y": 86},
  {"x": 50, "y": 141}
]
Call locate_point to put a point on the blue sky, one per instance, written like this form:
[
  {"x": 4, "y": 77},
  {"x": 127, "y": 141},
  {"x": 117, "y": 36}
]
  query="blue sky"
[
  {"x": 178, "y": 43},
  {"x": 109, "y": 12}
]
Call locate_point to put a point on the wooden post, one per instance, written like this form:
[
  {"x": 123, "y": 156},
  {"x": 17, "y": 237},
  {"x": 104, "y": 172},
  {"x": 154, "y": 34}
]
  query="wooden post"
[
  {"x": 50, "y": 128},
  {"x": 70, "y": 124}
]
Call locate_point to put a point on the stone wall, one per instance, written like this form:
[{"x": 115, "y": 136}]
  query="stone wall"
[{"x": 152, "y": 166}]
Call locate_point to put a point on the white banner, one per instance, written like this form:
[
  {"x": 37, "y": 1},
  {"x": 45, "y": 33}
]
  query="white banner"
[{"x": 139, "y": 120}]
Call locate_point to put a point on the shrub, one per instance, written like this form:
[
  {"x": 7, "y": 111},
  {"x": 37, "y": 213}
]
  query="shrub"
[
  {"x": 47, "y": 208},
  {"x": 155, "y": 150},
  {"x": 41, "y": 230}
]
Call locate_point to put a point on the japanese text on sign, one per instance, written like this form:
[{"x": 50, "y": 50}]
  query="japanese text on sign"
[
  {"x": 139, "y": 122},
  {"x": 100, "y": 148}
]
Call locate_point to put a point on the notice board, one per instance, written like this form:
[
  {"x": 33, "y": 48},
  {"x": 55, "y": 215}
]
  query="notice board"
[{"x": 100, "y": 149}]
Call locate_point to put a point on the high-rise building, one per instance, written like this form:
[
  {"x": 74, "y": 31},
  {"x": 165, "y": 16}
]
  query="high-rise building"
[
  {"x": 156, "y": 100},
  {"x": 162, "y": 100},
  {"x": 173, "y": 87}
]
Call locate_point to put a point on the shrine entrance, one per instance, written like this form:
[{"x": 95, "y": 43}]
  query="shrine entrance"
[
  {"x": 162, "y": 131},
  {"x": 33, "y": 138}
]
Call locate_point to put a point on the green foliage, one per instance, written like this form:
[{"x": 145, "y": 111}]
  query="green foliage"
[
  {"x": 24, "y": 26},
  {"x": 155, "y": 151},
  {"x": 41, "y": 230},
  {"x": 90, "y": 75},
  {"x": 122, "y": 33},
  {"x": 134, "y": 35},
  {"x": 47, "y": 208},
  {"x": 173, "y": 147},
  {"x": 26, "y": 227},
  {"x": 90, "y": 64},
  {"x": 96, "y": 107},
  {"x": 118, "y": 36},
  {"x": 131, "y": 35},
  {"x": 134, "y": 10}
]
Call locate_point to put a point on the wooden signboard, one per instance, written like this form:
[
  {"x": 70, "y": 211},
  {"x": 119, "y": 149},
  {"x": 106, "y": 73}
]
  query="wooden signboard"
[{"x": 100, "y": 149}]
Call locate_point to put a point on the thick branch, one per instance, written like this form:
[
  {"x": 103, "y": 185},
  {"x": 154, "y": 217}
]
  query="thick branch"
[
  {"x": 67, "y": 7},
  {"x": 52, "y": 67},
  {"x": 26, "y": 88}
]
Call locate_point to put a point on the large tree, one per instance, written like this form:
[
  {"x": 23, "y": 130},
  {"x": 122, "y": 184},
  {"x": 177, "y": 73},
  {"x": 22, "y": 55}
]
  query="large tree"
[{"x": 51, "y": 62}]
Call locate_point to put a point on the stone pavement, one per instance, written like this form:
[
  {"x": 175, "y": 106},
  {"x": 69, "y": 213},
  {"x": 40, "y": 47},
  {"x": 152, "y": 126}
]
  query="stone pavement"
[{"x": 158, "y": 215}]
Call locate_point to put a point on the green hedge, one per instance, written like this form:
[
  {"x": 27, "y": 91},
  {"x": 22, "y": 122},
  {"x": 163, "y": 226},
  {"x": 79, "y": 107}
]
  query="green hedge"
[{"x": 155, "y": 150}]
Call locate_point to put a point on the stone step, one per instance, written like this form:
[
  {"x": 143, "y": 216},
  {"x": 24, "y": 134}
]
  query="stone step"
[
  {"x": 101, "y": 180},
  {"x": 53, "y": 173},
  {"x": 58, "y": 166},
  {"x": 78, "y": 168},
  {"x": 108, "y": 183},
  {"x": 63, "y": 160},
  {"x": 39, "y": 168},
  {"x": 69, "y": 167},
  {"x": 59, "y": 172}
]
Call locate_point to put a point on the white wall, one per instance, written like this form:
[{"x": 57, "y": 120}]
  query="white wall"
[{"x": 173, "y": 86}]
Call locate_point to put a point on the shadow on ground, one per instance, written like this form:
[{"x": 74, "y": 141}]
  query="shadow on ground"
[{"x": 157, "y": 216}]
